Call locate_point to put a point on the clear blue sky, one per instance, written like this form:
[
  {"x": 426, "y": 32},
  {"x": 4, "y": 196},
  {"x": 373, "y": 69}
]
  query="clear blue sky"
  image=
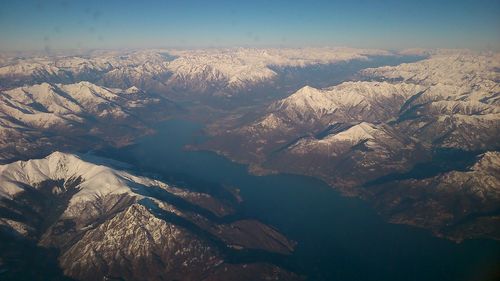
[{"x": 35, "y": 25}]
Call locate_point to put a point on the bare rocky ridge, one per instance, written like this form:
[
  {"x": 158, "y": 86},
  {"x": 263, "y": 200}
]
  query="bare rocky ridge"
[
  {"x": 360, "y": 132},
  {"x": 108, "y": 223}
]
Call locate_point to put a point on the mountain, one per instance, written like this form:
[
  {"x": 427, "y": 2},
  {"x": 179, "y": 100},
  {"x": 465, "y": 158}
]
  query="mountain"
[
  {"x": 107, "y": 223},
  {"x": 440, "y": 111},
  {"x": 43, "y": 116},
  {"x": 460, "y": 106},
  {"x": 311, "y": 112},
  {"x": 460, "y": 204},
  {"x": 350, "y": 157}
]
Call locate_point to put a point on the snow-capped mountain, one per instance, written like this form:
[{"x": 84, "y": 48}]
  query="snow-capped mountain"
[
  {"x": 459, "y": 107},
  {"x": 311, "y": 111},
  {"x": 49, "y": 112},
  {"x": 45, "y": 105},
  {"x": 348, "y": 101},
  {"x": 106, "y": 221},
  {"x": 357, "y": 132}
]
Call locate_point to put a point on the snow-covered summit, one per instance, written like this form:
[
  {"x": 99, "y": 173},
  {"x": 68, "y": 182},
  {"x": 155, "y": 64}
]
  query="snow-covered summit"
[
  {"x": 93, "y": 177},
  {"x": 349, "y": 101},
  {"x": 355, "y": 134},
  {"x": 96, "y": 179}
]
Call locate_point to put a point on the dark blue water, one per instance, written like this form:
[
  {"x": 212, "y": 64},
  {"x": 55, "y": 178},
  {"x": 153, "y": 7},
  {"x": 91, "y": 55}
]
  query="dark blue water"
[{"x": 338, "y": 238}]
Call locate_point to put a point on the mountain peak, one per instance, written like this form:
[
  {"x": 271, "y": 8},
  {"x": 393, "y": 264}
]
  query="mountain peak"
[
  {"x": 308, "y": 90},
  {"x": 86, "y": 85},
  {"x": 58, "y": 155},
  {"x": 42, "y": 88},
  {"x": 132, "y": 90},
  {"x": 97, "y": 179},
  {"x": 307, "y": 99},
  {"x": 488, "y": 160},
  {"x": 357, "y": 133}
]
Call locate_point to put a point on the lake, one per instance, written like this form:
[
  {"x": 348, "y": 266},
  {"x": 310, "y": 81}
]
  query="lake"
[{"x": 338, "y": 238}]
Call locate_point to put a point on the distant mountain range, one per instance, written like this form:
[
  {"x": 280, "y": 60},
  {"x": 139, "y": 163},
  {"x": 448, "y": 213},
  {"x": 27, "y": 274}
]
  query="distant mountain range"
[{"x": 210, "y": 72}]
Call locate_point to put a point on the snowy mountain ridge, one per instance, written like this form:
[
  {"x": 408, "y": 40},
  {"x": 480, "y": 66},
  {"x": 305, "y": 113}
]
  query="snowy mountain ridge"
[
  {"x": 94, "y": 180},
  {"x": 31, "y": 104},
  {"x": 162, "y": 69},
  {"x": 50, "y": 112}
]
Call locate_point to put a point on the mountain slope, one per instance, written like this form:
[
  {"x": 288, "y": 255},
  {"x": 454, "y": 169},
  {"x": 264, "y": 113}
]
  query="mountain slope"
[
  {"x": 458, "y": 204},
  {"x": 109, "y": 223}
]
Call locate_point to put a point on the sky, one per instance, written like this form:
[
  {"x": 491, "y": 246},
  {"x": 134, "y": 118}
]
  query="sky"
[{"x": 109, "y": 24}]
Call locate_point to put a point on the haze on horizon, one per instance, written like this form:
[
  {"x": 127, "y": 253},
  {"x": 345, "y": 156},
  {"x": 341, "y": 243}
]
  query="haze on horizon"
[{"x": 55, "y": 25}]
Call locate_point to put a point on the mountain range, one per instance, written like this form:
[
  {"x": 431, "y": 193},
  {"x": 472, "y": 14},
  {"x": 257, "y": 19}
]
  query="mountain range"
[
  {"x": 394, "y": 120},
  {"x": 416, "y": 138}
]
